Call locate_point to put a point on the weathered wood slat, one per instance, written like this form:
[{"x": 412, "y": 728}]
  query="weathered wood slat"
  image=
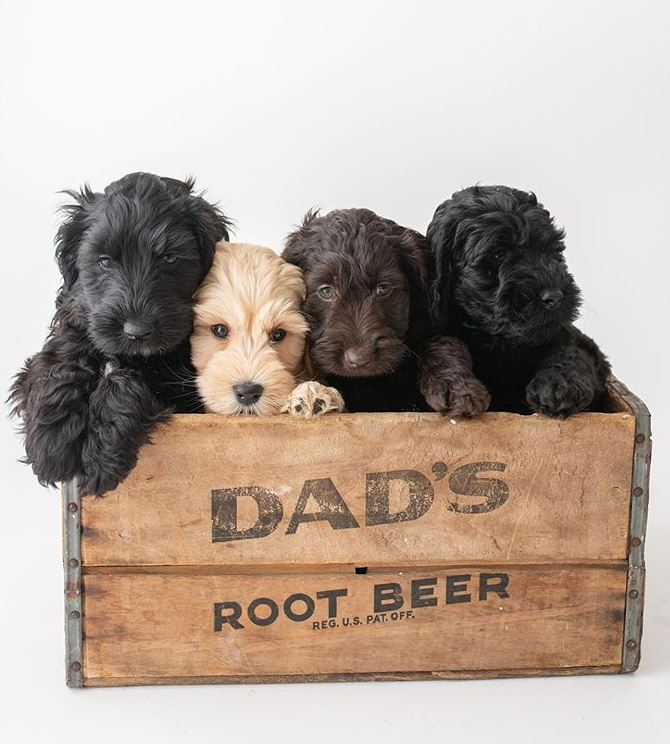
[
  {"x": 371, "y": 677},
  {"x": 501, "y": 488},
  {"x": 163, "y": 626}
]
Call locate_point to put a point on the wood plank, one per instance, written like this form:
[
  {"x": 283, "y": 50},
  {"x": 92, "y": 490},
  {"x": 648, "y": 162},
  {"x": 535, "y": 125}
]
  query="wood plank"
[
  {"x": 165, "y": 626},
  {"x": 371, "y": 677},
  {"x": 498, "y": 488}
]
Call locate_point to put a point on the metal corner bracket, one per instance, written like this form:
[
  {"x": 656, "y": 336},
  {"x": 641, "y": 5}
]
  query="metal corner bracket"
[
  {"x": 639, "y": 505},
  {"x": 74, "y": 661}
]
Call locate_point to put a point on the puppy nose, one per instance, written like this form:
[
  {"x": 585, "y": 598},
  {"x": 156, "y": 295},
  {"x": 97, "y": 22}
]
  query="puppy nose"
[
  {"x": 357, "y": 356},
  {"x": 136, "y": 329},
  {"x": 247, "y": 393},
  {"x": 551, "y": 297}
]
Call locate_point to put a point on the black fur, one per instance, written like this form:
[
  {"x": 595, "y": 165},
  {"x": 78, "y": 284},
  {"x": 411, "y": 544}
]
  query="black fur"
[
  {"x": 496, "y": 252},
  {"x": 133, "y": 254},
  {"x": 377, "y": 271}
]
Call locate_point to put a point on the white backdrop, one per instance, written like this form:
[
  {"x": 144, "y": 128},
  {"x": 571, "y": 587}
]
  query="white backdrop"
[{"x": 278, "y": 106}]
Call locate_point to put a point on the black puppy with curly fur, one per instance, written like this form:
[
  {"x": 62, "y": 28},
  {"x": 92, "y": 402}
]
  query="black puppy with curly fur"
[
  {"x": 370, "y": 330},
  {"x": 117, "y": 359},
  {"x": 500, "y": 282}
]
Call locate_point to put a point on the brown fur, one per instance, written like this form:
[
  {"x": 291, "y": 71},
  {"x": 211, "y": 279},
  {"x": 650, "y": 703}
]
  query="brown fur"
[{"x": 370, "y": 332}]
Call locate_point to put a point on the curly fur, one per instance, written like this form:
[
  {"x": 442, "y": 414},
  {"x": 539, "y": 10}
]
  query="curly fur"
[
  {"x": 368, "y": 335},
  {"x": 460, "y": 394},
  {"x": 252, "y": 292},
  {"x": 117, "y": 358},
  {"x": 499, "y": 281}
]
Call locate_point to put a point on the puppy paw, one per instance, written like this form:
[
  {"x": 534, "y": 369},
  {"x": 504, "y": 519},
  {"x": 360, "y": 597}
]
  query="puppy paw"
[
  {"x": 123, "y": 412},
  {"x": 466, "y": 397},
  {"x": 55, "y": 418},
  {"x": 98, "y": 483},
  {"x": 553, "y": 393},
  {"x": 311, "y": 399}
]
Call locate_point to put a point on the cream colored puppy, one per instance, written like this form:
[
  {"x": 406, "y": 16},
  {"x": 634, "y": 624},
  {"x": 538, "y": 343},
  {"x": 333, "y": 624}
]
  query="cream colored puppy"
[{"x": 248, "y": 342}]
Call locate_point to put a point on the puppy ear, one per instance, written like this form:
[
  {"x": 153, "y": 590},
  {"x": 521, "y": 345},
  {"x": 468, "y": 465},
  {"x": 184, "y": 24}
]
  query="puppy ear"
[
  {"x": 414, "y": 261},
  {"x": 208, "y": 222},
  {"x": 441, "y": 235},
  {"x": 71, "y": 232},
  {"x": 297, "y": 244},
  {"x": 414, "y": 257},
  {"x": 210, "y": 226}
]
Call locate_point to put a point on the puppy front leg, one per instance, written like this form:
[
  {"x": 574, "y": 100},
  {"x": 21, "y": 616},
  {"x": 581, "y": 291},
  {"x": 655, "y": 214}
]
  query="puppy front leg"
[
  {"x": 311, "y": 399},
  {"x": 123, "y": 412},
  {"x": 566, "y": 382},
  {"x": 447, "y": 382},
  {"x": 52, "y": 400}
]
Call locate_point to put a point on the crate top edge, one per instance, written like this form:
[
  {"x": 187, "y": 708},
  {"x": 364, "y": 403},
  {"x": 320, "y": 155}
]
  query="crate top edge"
[
  {"x": 617, "y": 390},
  {"x": 200, "y": 421}
]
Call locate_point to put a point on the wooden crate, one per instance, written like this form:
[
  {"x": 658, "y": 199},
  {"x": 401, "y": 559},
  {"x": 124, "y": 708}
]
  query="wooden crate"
[{"x": 364, "y": 546}]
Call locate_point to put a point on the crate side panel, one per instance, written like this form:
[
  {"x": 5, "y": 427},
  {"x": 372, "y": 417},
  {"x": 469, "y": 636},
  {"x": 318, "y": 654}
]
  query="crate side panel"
[
  {"x": 387, "y": 487},
  {"x": 276, "y": 679},
  {"x": 179, "y": 626}
]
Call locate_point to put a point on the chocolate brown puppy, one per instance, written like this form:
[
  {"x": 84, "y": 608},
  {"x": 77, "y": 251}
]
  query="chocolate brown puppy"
[{"x": 370, "y": 331}]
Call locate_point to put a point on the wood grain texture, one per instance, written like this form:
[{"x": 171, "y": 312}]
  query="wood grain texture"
[
  {"x": 370, "y": 677},
  {"x": 163, "y": 626},
  {"x": 568, "y": 490}
]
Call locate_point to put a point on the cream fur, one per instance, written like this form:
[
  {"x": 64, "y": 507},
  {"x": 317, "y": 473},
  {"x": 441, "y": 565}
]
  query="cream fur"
[
  {"x": 311, "y": 399},
  {"x": 252, "y": 291}
]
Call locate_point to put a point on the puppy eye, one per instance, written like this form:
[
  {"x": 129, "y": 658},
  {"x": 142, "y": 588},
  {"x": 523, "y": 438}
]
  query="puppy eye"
[
  {"x": 169, "y": 258},
  {"x": 105, "y": 261},
  {"x": 325, "y": 292},
  {"x": 277, "y": 334},
  {"x": 384, "y": 288},
  {"x": 220, "y": 330},
  {"x": 499, "y": 255}
]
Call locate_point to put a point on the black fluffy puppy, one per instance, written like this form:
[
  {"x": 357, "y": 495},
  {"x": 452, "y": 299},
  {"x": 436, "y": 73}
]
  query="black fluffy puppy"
[
  {"x": 117, "y": 358},
  {"x": 500, "y": 282},
  {"x": 370, "y": 330}
]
